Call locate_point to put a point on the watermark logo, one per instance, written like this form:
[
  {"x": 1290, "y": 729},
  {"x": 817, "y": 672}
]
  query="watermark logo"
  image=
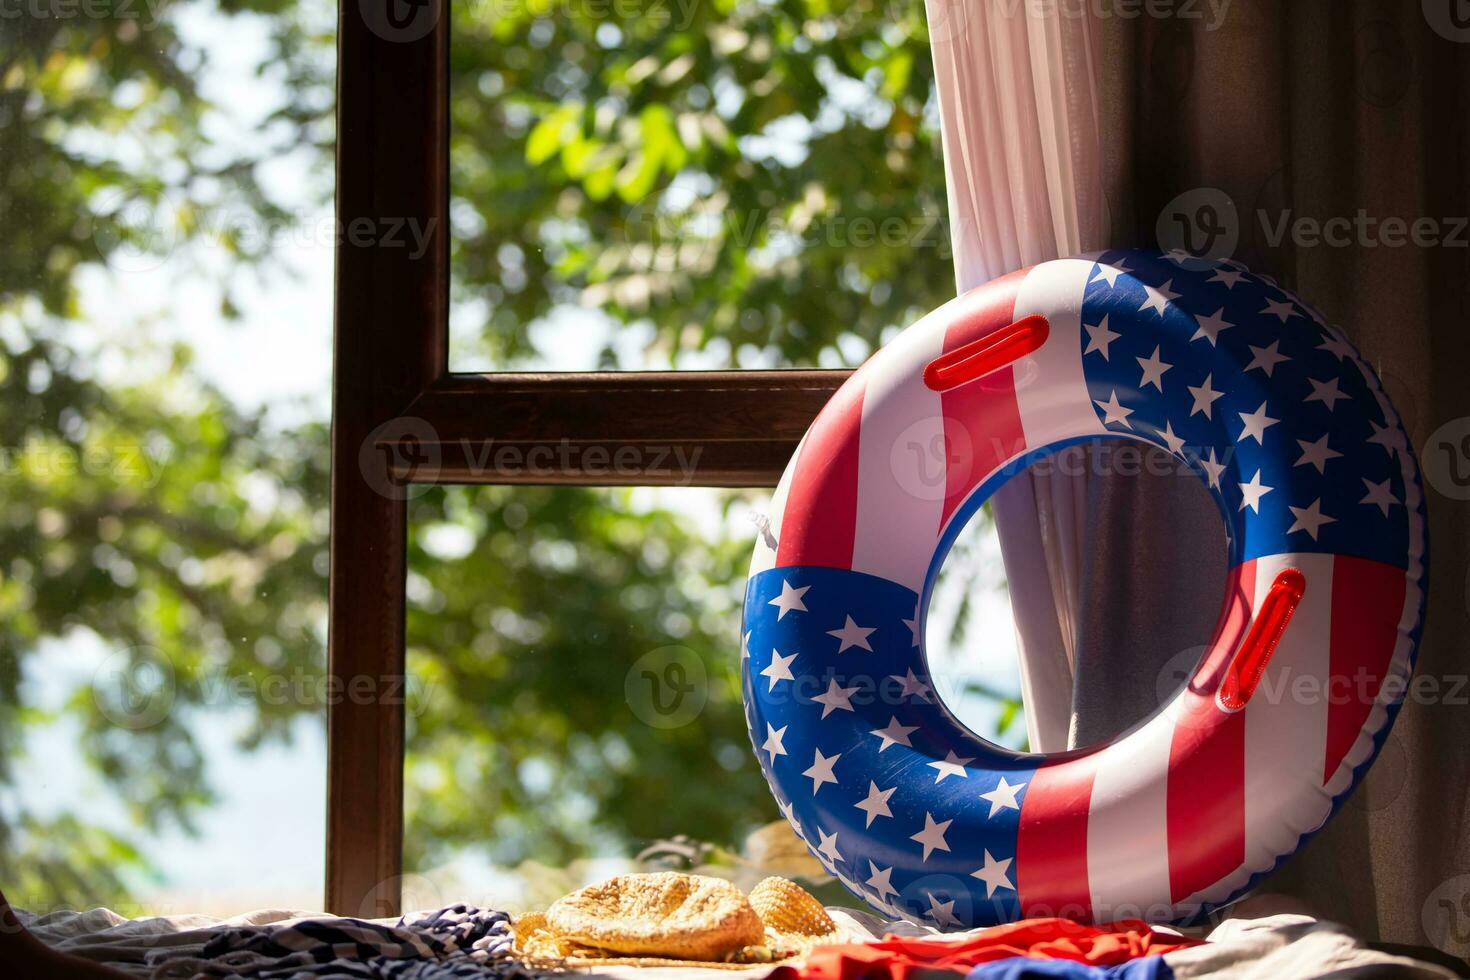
[
  {"x": 929, "y": 456},
  {"x": 1447, "y": 459},
  {"x": 1450, "y": 19},
  {"x": 657, "y": 240},
  {"x": 1385, "y": 65},
  {"x": 135, "y": 689},
  {"x": 1176, "y": 674},
  {"x": 1202, "y": 228},
  {"x": 401, "y": 21},
  {"x": 1445, "y": 915},
  {"x": 667, "y": 687},
  {"x": 410, "y": 890},
  {"x": 135, "y": 234},
  {"x": 407, "y": 445},
  {"x": 940, "y": 900},
  {"x": 1199, "y": 227}
]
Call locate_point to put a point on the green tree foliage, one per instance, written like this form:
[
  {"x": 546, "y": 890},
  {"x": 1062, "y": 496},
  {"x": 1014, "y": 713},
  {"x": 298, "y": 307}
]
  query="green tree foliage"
[
  {"x": 739, "y": 182},
  {"x": 150, "y": 513},
  {"x": 754, "y": 179}
]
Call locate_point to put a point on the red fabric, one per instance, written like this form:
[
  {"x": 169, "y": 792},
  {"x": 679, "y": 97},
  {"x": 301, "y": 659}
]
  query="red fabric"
[{"x": 895, "y": 958}]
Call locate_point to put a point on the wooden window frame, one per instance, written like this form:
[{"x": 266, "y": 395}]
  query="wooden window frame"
[{"x": 399, "y": 417}]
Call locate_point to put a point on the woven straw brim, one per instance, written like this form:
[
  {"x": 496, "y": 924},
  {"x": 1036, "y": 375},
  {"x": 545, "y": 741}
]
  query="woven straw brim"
[
  {"x": 539, "y": 947},
  {"x": 794, "y": 922}
]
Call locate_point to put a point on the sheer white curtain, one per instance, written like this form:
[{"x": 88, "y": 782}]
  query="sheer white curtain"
[{"x": 1019, "y": 114}]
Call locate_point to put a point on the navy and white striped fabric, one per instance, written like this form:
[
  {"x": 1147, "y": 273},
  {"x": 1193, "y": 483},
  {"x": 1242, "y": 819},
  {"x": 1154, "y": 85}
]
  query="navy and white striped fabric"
[{"x": 453, "y": 943}]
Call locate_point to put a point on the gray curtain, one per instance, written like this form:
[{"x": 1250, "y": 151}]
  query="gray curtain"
[{"x": 1320, "y": 108}]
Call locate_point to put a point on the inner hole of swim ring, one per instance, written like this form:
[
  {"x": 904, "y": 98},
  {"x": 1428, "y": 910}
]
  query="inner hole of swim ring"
[{"x": 1125, "y": 599}]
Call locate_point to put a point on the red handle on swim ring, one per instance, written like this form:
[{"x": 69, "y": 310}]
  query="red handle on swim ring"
[
  {"x": 990, "y": 353},
  {"x": 1250, "y": 660}
]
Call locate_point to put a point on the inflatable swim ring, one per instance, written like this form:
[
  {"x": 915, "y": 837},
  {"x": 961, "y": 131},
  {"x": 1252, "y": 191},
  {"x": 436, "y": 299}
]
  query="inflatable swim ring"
[{"x": 1321, "y": 497}]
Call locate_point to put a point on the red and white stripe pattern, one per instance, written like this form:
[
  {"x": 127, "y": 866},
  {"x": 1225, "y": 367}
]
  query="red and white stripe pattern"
[
  {"x": 1184, "y": 811},
  {"x": 888, "y": 462}
]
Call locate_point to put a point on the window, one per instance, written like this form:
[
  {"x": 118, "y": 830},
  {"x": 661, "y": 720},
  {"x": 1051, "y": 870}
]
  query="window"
[{"x": 696, "y": 224}]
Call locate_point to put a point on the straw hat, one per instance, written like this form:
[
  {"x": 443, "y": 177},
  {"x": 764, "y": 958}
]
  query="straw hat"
[{"x": 674, "y": 919}]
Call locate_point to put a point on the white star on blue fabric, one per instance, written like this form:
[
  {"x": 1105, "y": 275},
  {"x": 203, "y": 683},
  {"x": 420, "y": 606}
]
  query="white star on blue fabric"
[
  {"x": 1003, "y": 797},
  {"x": 880, "y": 879},
  {"x": 1114, "y": 412},
  {"x": 821, "y": 770},
  {"x": 1283, "y": 310},
  {"x": 1266, "y": 358},
  {"x": 1099, "y": 338},
  {"x": 773, "y": 744},
  {"x": 1316, "y": 454},
  {"x": 828, "y": 847},
  {"x": 788, "y": 810},
  {"x": 1380, "y": 495},
  {"x": 994, "y": 874},
  {"x": 1213, "y": 468},
  {"x": 789, "y": 599},
  {"x": 941, "y": 912},
  {"x": 1255, "y": 425},
  {"x": 1386, "y": 436},
  {"x": 779, "y": 669},
  {"x": 1326, "y": 392},
  {"x": 1309, "y": 518},
  {"x": 1173, "y": 441},
  {"x": 912, "y": 686},
  {"x": 853, "y": 635},
  {"x": 1230, "y": 277},
  {"x": 894, "y": 734},
  {"x": 837, "y": 698},
  {"x": 1158, "y": 297},
  {"x": 876, "y": 804},
  {"x": 1210, "y": 327},
  {"x": 1109, "y": 272},
  {"x": 1336, "y": 346},
  {"x": 932, "y": 836},
  {"x": 1252, "y": 492},
  {"x": 1205, "y": 397},
  {"x": 952, "y": 765},
  {"x": 1154, "y": 368}
]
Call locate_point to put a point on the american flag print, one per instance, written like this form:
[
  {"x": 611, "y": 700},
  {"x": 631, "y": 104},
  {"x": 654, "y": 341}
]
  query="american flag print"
[{"x": 1289, "y": 428}]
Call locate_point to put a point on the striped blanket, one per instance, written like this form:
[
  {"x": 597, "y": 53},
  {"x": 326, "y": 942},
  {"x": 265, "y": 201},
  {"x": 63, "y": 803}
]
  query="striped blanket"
[{"x": 454, "y": 943}]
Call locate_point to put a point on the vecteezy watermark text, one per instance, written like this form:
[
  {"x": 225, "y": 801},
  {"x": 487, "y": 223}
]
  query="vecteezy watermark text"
[
  {"x": 146, "y": 12},
  {"x": 139, "y": 688},
  {"x": 402, "y": 456},
  {"x": 1365, "y": 231},
  {"x": 1209, "y": 13},
  {"x": 122, "y": 463},
  {"x": 1204, "y": 224},
  {"x": 134, "y": 234},
  {"x": 564, "y": 456}
]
